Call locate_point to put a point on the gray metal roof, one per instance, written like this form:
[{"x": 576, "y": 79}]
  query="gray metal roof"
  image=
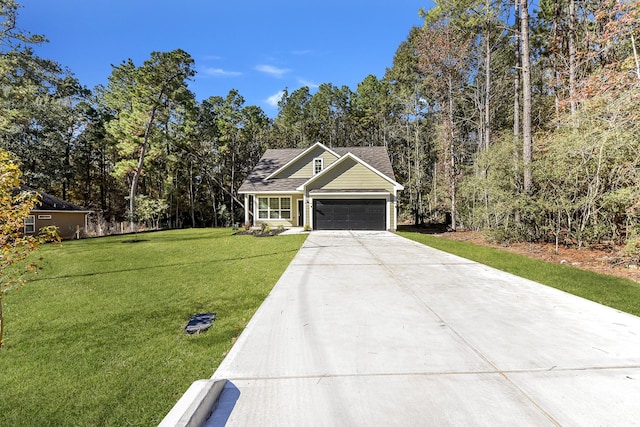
[{"x": 274, "y": 159}]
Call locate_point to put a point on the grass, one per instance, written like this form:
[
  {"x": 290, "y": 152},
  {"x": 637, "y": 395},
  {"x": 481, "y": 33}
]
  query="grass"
[
  {"x": 621, "y": 294},
  {"x": 97, "y": 338}
]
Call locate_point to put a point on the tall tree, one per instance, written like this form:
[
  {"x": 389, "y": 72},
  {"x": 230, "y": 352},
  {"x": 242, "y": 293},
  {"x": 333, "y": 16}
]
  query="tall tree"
[
  {"x": 410, "y": 144},
  {"x": 229, "y": 116},
  {"x": 141, "y": 99},
  {"x": 291, "y": 124},
  {"x": 328, "y": 111},
  {"x": 444, "y": 57},
  {"x": 527, "y": 134},
  {"x": 22, "y": 74},
  {"x": 373, "y": 111},
  {"x": 34, "y": 107}
]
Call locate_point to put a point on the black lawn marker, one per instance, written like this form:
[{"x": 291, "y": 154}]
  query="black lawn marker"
[{"x": 199, "y": 323}]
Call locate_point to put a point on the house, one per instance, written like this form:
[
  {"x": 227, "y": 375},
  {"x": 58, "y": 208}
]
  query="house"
[
  {"x": 346, "y": 188},
  {"x": 70, "y": 219}
]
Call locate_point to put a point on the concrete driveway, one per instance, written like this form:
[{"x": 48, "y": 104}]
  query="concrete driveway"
[{"x": 369, "y": 328}]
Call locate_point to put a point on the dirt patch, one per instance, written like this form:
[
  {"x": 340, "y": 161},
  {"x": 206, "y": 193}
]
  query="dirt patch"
[{"x": 606, "y": 260}]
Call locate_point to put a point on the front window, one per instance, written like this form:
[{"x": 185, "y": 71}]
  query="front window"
[
  {"x": 30, "y": 224},
  {"x": 274, "y": 207},
  {"x": 318, "y": 164}
]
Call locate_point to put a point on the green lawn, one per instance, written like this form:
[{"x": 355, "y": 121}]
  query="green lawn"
[
  {"x": 97, "y": 338},
  {"x": 621, "y": 294}
]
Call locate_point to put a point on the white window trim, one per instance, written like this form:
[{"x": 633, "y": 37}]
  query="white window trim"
[
  {"x": 268, "y": 210},
  {"x": 315, "y": 172},
  {"x": 30, "y": 224}
]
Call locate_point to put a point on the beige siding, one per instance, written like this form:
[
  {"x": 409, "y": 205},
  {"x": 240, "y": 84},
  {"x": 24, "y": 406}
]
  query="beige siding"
[
  {"x": 303, "y": 168},
  {"x": 68, "y": 223},
  {"x": 350, "y": 175},
  {"x": 392, "y": 215}
]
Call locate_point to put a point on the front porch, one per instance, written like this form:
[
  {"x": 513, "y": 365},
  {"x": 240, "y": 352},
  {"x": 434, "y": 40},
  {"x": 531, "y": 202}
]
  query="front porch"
[{"x": 275, "y": 210}]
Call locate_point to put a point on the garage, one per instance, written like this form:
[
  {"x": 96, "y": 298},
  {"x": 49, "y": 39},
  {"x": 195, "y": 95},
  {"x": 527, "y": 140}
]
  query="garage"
[{"x": 350, "y": 214}]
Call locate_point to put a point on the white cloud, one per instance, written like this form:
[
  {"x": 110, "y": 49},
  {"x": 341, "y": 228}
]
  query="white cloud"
[
  {"x": 301, "y": 52},
  {"x": 308, "y": 83},
  {"x": 274, "y": 99},
  {"x": 271, "y": 70},
  {"x": 210, "y": 71}
]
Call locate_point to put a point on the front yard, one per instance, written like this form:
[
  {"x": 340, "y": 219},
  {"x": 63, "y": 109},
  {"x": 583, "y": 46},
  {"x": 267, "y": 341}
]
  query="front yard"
[{"x": 97, "y": 338}]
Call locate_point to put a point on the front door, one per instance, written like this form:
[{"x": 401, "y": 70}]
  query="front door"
[{"x": 300, "y": 213}]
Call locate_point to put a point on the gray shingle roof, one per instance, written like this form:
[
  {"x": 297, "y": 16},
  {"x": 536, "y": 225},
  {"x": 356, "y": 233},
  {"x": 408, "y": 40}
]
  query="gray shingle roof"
[
  {"x": 274, "y": 159},
  {"x": 376, "y": 157},
  {"x": 51, "y": 203},
  {"x": 47, "y": 202}
]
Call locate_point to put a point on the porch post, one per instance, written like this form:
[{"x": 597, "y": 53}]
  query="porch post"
[
  {"x": 304, "y": 209},
  {"x": 389, "y": 208},
  {"x": 395, "y": 209},
  {"x": 246, "y": 208}
]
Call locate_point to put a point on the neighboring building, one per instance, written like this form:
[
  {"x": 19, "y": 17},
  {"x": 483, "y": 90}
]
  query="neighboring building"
[
  {"x": 70, "y": 219},
  {"x": 350, "y": 188}
]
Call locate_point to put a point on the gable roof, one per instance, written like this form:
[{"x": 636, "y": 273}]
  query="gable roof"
[
  {"x": 301, "y": 155},
  {"x": 350, "y": 155},
  {"x": 375, "y": 157},
  {"x": 274, "y": 160}
]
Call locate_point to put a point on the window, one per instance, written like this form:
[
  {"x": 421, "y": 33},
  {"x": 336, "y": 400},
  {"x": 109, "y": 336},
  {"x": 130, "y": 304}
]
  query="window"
[
  {"x": 318, "y": 164},
  {"x": 274, "y": 207},
  {"x": 30, "y": 224},
  {"x": 44, "y": 216}
]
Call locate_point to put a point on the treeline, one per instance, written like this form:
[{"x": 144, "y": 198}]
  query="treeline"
[
  {"x": 524, "y": 126},
  {"x": 537, "y": 117}
]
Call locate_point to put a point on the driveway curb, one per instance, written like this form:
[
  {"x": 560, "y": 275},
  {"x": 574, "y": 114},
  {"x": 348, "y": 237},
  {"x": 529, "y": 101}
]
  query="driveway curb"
[{"x": 196, "y": 405}]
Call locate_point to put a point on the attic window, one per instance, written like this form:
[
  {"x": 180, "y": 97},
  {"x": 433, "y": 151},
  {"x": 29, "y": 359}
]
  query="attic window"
[{"x": 318, "y": 164}]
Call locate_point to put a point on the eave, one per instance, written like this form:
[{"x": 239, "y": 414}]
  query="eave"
[{"x": 335, "y": 164}]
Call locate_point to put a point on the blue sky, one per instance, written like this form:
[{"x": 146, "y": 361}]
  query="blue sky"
[{"x": 256, "y": 47}]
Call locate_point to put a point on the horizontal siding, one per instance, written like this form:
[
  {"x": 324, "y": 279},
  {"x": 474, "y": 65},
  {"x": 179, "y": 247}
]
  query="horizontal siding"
[
  {"x": 329, "y": 159},
  {"x": 68, "y": 223},
  {"x": 350, "y": 175},
  {"x": 303, "y": 168},
  {"x": 392, "y": 215}
]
